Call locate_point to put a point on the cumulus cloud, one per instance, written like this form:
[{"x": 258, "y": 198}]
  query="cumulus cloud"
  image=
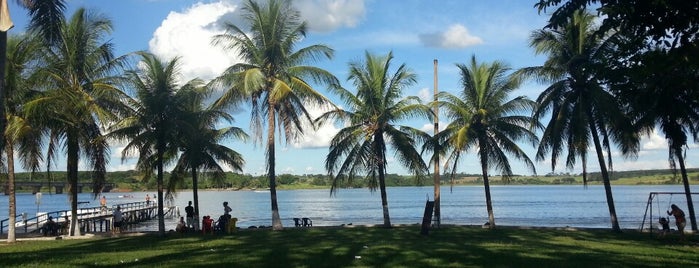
[
  {"x": 456, "y": 36},
  {"x": 326, "y": 16},
  {"x": 188, "y": 35},
  {"x": 322, "y": 136}
]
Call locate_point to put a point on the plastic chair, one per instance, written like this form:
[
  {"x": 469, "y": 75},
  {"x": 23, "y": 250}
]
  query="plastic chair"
[
  {"x": 307, "y": 222},
  {"x": 231, "y": 225},
  {"x": 297, "y": 222}
]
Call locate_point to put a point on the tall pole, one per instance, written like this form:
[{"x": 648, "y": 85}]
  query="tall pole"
[{"x": 437, "y": 181}]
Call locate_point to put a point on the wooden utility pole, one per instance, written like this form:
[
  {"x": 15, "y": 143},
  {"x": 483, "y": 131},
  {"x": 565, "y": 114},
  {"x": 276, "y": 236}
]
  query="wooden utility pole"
[{"x": 437, "y": 181}]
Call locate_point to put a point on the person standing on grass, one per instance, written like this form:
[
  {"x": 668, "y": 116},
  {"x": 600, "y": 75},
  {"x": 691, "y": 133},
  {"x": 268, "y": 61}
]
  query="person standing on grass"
[
  {"x": 189, "y": 211},
  {"x": 118, "y": 220},
  {"x": 679, "y": 217}
]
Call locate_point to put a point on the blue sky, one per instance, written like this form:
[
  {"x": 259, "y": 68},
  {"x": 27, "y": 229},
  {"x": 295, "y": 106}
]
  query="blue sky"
[{"x": 417, "y": 32}]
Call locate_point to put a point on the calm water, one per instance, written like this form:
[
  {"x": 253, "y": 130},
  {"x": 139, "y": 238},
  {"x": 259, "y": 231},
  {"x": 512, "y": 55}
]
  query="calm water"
[{"x": 550, "y": 206}]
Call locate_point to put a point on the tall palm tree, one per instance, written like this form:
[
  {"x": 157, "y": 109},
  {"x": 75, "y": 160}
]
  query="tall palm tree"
[
  {"x": 47, "y": 16},
  {"x": 485, "y": 120},
  {"x": 273, "y": 77},
  {"x": 80, "y": 98},
  {"x": 372, "y": 115},
  {"x": 46, "y": 20},
  {"x": 22, "y": 54},
  {"x": 581, "y": 108},
  {"x": 152, "y": 128},
  {"x": 200, "y": 144}
]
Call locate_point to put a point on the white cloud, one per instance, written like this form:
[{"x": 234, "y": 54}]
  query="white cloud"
[
  {"x": 322, "y": 136},
  {"x": 654, "y": 142},
  {"x": 456, "y": 36},
  {"x": 188, "y": 35},
  {"x": 326, "y": 16},
  {"x": 426, "y": 95},
  {"x": 429, "y": 127}
]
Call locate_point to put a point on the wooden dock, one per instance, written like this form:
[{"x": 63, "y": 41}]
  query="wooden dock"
[{"x": 92, "y": 219}]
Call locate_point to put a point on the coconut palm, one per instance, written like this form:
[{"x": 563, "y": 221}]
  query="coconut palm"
[
  {"x": 80, "y": 98},
  {"x": 485, "y": 120},
  {"x": 372, "y": 115},
  {"x": 152, "y": 130},
  {"x": 200, "y": 144},
  {"x": 21, "y": 58},
  {"x": 581, "y": 108},
  {"x": 46, "y": 20},
  {"x": 272, "y": 77}
]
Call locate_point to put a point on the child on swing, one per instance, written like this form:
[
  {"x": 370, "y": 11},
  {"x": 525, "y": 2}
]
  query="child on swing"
[{"x": 665, "y": 224}]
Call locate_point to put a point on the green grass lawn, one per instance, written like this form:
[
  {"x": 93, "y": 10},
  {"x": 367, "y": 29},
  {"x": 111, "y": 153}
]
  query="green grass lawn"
[{"x": 449, "y": 246}]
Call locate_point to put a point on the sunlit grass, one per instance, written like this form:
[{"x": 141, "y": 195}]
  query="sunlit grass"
[{"x": 450, "y": 246}]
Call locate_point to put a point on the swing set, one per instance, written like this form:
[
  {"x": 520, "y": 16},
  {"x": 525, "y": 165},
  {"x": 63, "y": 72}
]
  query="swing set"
[{"x": 649, "y": 208}]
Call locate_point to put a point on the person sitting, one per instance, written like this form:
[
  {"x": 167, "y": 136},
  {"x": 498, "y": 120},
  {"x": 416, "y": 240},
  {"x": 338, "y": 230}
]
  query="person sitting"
[
  {"x": 50, "y": 227},
  {"x": 181, "y": 226},
  {"x": 665, "y": 225},
  {"x": 222, "y": 223},
  {"x": 207, "y": 224},
  {"x": 65, "y": 226}
]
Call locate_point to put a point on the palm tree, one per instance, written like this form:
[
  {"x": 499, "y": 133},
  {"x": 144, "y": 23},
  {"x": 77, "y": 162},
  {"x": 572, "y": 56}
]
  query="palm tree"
[
  {"x": 272, "y": 77},
  {"x": 483, "y": 118},
  {"x": 200, "y": 144},
  {"x": 80, "y": 98},
  {"x": 581, "y": 108},
  {"x": 21, "y": 57},
  {"x": 47, "y": 16},
  {"x": 47, "y": 20},
  {"x": 152, "y": 128},
  {"x": 372, "y": 114}
]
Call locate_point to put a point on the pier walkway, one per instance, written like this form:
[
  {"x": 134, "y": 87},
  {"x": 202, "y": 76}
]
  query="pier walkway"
[{"x": 92, "y": 219}]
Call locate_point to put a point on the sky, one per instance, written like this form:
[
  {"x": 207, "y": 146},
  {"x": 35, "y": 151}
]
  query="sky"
[{"x": 416, "y": 31}]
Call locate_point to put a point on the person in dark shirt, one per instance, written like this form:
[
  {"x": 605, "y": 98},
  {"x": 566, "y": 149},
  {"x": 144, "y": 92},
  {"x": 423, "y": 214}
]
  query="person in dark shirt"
[{"x": 189, "y": 211}]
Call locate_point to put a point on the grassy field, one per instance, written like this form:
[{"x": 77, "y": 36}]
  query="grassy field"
[{"x": 449, "y": 246}]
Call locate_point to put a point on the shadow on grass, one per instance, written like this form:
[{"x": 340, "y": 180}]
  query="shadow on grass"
[{"x": 458, "y": 246}]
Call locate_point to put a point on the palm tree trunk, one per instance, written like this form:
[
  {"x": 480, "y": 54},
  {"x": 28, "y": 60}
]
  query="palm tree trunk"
[
  {"x": 161, "y": 213},
  {"x": 486, "y": 186},
  {"x": 688, "y": 193},
  {"x": 3, "y": 61},
  {"x": 605, "y": 175},
  {"x": 11, "y": 190},
  {"x": 72, "y": 168},
  {"x": 195, "y": 193},
  {"x": 3, "y": 125},
  {"x": 271, "y": 123},
  {"x": 379, "y": 148}
]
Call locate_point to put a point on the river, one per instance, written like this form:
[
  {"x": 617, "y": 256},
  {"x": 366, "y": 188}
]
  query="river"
[{"x": 544, "y": 206}]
